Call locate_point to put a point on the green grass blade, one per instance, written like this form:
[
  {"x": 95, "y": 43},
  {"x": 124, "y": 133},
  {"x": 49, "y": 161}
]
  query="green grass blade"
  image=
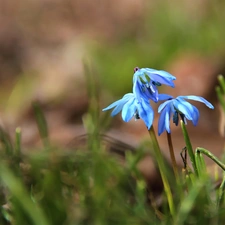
[
  {"x": 221, "y": 192},
  {"x": 189, "y": 146},
  {"x": 42, "y": 123},
  {"x": 18, "y": 141},
  {"x": 17, "y": 190},
  {"x": 211, "y": 156},
  {"x": 200, "y": 163},
  {"x": 220, "y": 96},
  {"x": 162, "y": 170},
  {"x": 189, "y": 202},
  {"x": 222, "y": 83},
  {"x": 6, "y": 142}
]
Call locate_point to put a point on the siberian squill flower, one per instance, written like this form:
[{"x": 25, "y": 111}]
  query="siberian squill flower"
[
  {"x": 131, "y": 107},
  {"x": 146, "y": 81},
  {"x": 178, "y": 107}
]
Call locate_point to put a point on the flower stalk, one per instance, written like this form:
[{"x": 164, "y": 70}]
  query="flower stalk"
[
  {"x": 211, "y": 156},
  {"x": 172, "y": 156},
  {"x": 200, "y": 163},
  {"x": 221, "y": 192},
  {"x": 137, "y": 105},
  {"x": 189, "y": 146},
  {"x": 162, "y": 170}
]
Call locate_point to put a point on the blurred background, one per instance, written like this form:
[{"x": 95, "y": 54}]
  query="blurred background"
[{"x": 44, "y": 45}]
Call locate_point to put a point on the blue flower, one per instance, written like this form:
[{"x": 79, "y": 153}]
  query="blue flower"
[
  {"x": 178, "y": 106},
  {"x": 146, "y": 81},
  {"x": 131, "y": 107}
]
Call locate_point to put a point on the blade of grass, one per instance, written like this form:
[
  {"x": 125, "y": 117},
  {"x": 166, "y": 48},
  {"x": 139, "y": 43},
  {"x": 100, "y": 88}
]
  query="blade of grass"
[
  {"x": 222, "y": 83},
  {"x": 17, "y": 189},
  {"x": 18, "y": 141},
  {"x": 221, "y": 192},
  {"x": 162, "y": 170},
  {"x": 188, "y": 203},
  {"x": 220, "y": 97},
  {"x": 42, "y": 123},
  {"x": 211, "y": 156},
  {"x": 172, "y": 156},
  {"x": 200, "y": 163},
  {"x": 5, "y": 139},
  {"x": 189, "y": 147}
]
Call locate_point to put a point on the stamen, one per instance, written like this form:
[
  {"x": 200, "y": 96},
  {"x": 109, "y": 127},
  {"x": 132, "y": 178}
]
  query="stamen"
[
  {"x": 152, "y": 89},
  {"x": 182, "y": 116},
  {"x": 156, "y": 83},
  {"x": 175, "y": 118},
  {"x": 143, "y": 88},
  {"x": 136, "y": 116}
]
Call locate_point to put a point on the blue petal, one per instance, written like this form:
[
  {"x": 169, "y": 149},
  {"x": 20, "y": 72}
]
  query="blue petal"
[
  {"x": 167, "y": 118},
  {"x": 161, "y": 76},
  {"x": 163, "y": 97},
  {"x": 153, "y": 93},
  {"x": 184, "y": 107},
  {"x": 144, "y": 78},
  {"x": 119, "y": 104},
  {"x": 161, "y": 79},
  {"x": 193, "y": 110},
  {"x": 161, "y": 73},
  {"x": 198, "y": 98},
  {"x": 140, "y": 93},
  {"x": 112, "y": 105},
  {"x": 146, "y": 113},
  {"x": 137, "y": 74},
  {"x": 117, "y": 109},
  {"x": 137, "y": 91},
  {"x": 195, "y": 116},
  {"x": 161, "y": 123},
  {"x": 153, "y": 88},
  {"x": 129, "y": 110},
  {"x": 164, "y": 120},
  {"x": 164, "y": 104}
]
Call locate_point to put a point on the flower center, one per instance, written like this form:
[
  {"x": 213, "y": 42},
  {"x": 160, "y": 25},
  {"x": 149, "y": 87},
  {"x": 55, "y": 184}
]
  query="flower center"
[
  {"x": 175, "y": 118},
  {"x": 156, "y": 83},
  {"x": 136, "y": 115}
]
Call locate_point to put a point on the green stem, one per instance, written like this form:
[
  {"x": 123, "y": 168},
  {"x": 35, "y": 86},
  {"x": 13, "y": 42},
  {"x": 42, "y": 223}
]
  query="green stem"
[
  {"x": 200, "y": 163},
  {"x": 18, "y": 141},
  {"x": 221, "y": 80},
  {"x": 220, "y": 96},
  {"x": 18, "y": 190},
  {"x": 162, "y": 170},
  {"x": 172, "y": 156},
  {"x": 211, "y": 156},
  {"x": 187, "y": 204},
  {"x": 189, "y": 147},
  {"x": 221, "y": 192}
]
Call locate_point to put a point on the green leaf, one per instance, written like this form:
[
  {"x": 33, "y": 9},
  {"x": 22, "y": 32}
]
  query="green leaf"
[
  {"x": 18, "y": 191},
  {"x": 189, "y": 146}
]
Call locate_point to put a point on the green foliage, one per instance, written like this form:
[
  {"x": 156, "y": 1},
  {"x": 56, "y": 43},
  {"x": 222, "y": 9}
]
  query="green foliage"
[
  {"x": 91, "y": 186},
  {"x": 167, "y": 29},
  {"x": 85, "y": 186},
  {"x": 74, "y": 185},
  {"x": 70, "y": 186},
  {"x": 220, "y": 90}
]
